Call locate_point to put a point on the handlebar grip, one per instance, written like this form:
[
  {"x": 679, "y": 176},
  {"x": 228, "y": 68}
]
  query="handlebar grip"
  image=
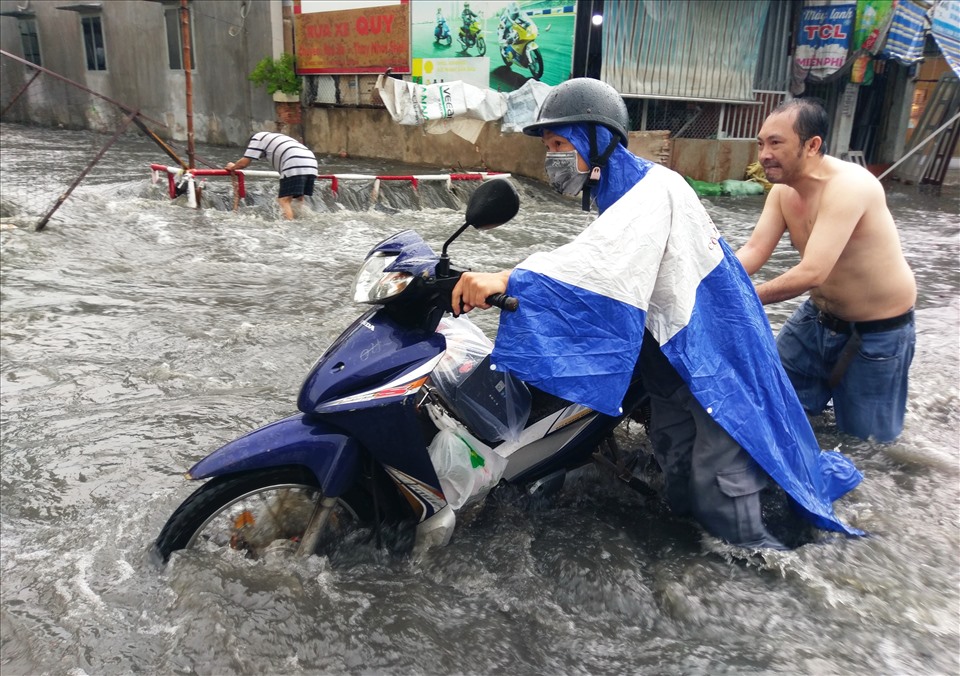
[{"x": 504, "y": 302}]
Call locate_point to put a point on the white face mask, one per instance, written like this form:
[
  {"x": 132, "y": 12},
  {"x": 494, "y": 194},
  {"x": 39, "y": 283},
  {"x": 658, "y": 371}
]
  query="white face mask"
[{"x": 564, "y": 174}]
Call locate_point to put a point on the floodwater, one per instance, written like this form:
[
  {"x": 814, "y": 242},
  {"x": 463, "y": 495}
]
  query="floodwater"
[{"x": 138, "y": 335}]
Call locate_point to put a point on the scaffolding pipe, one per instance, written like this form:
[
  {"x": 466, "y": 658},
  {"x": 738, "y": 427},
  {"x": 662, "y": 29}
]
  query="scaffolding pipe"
[
  {"x": 156, "y": 139},
  {"x": 60, "y": 200},
  {"x": 173, "y": 173},
  {"x": 187, "y": 66}
]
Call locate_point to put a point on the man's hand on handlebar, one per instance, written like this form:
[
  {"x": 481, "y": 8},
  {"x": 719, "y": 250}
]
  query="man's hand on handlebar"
[{"x": 474, "y": 288}]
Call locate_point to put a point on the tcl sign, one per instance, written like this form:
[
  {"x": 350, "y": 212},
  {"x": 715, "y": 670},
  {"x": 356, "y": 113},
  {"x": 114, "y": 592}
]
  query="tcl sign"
[{"x": 826, "y": 32}]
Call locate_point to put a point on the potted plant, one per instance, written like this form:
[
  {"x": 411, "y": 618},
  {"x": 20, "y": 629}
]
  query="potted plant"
[{"x": 279, "y": 77}]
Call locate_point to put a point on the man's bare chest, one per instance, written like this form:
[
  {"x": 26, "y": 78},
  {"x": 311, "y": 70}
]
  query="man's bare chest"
[{"x": 800, "y": 215}]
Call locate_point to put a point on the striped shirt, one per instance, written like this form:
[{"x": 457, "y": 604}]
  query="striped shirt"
[{"x": 288, "y": 156}]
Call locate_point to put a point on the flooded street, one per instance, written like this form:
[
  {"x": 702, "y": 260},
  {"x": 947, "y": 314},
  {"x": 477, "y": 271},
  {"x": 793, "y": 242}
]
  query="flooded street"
[{"x": 137, "y": 335}]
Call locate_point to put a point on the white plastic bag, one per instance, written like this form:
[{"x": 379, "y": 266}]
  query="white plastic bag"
[
  {"x": 467, "y": 346},
  {"x": 493, "y": 404},
  {"x": 441, "y": 107},
  {"x": 523, "y": 105},
  {"x": 467, "y": 468}
]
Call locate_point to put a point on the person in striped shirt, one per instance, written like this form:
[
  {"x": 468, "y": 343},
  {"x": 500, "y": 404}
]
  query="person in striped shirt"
[{"x": 296, "y": 163}]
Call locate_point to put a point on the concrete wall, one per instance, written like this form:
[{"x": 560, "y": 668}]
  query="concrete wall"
[
  {"x": 712, "y": 160},
  {"x": 226, "y": 105},
  {"x": 372, "y": 133}
]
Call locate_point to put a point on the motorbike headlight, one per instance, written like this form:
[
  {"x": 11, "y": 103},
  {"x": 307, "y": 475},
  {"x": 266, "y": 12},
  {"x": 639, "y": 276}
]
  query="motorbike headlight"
[{"x": 373, "y": 284}]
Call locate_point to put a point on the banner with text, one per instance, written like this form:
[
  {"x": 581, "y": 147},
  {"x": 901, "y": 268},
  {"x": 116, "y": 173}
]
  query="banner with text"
[
  {"x": 340, "y": 37},
  {"x": 823, "y": 40}
]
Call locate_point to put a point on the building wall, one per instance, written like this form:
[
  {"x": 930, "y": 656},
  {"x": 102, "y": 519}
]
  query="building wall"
[
  {"x": 712, "y": 160},
  {"x": 372, "y": 133},
  {"x": 226, "y": 105}
]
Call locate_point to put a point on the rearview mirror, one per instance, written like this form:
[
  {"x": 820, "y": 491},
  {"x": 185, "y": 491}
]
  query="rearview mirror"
[{"x": 494, "y": 203}]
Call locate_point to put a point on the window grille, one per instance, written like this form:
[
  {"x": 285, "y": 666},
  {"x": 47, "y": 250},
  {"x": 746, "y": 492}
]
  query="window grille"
[
  {"x": 29, "y": 40},
  {"x": 703, "y": 119},
  {"x": 744, "y": 122},
  {"x": 171, "y": 17},
  {"x": 93, "y": 43}
]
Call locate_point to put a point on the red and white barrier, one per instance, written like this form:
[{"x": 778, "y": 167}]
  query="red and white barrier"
[{"x": 177, "y": 175}]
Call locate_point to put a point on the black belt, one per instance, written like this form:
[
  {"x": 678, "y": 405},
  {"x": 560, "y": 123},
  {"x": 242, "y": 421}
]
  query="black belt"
[{"x": 873, "y": 326}]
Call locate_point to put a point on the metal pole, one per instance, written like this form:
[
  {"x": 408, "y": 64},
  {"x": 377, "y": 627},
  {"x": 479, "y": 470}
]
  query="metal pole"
[
  {"x": 586, "y": 53},
  {"x": 167, "y": 149},
  {"x": 919, "y": 146},
  {"x": 187, "y": 66},
  {"x": 60, "y": 200}
]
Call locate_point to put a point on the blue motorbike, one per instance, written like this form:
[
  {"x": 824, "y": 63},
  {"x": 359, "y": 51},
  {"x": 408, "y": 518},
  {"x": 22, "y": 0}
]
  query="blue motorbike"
[
  {"x": 441, "y": 34},
  {"x": 356, "y": 458}
]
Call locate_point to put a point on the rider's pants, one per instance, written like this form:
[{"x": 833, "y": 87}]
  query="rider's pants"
[{"x": 707, "y": 473}]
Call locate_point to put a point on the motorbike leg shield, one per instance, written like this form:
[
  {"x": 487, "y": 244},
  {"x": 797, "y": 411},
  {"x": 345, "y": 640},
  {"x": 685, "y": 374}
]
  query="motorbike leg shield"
[
  {"x": 435, "y": 531},
  {"x": 332, "y": 457}
]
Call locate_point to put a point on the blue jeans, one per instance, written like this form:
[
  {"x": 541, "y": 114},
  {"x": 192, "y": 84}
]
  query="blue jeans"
[{"x": 871, "y": 399}]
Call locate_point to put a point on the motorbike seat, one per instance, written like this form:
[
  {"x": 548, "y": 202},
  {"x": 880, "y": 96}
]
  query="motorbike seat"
[{"x": 543, "y": 404}]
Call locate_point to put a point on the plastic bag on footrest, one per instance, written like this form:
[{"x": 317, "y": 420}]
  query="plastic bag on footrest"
[{"x": 467, "y": 468}]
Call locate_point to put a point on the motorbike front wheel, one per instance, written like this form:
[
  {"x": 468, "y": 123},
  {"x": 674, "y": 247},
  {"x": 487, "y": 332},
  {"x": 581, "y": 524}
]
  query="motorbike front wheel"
[
  {"x": 481, "y": 46},
  {"x": 254, "y": 512},
  {"x": 536, "y": 64}
]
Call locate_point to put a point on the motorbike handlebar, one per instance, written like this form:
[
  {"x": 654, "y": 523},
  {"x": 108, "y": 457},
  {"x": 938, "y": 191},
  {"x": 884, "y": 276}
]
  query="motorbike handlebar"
[{"x": 504, "y": 302}]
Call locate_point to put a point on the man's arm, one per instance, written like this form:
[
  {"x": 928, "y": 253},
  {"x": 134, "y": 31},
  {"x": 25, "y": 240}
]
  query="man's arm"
[
  {"x": 239, "y": 164},
  {"x": 766, "y": 234},
  {"x": 842, "y": 205},
  {"x": 473, "y": 288}
]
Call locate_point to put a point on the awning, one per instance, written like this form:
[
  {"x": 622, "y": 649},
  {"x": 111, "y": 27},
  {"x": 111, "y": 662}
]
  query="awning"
[
  {"x": 945, "y": 27},
  {"x": 84, "y": 7},
  {"x": 907, "y": 33}
]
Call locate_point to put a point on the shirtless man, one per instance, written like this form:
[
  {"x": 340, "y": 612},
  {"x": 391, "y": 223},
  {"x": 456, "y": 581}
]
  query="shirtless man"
[{"x": 853, "y": 339}]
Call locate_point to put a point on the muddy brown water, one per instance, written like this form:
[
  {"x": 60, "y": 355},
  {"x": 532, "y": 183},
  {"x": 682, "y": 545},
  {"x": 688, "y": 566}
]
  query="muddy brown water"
[{"x": 138, "y": 335}]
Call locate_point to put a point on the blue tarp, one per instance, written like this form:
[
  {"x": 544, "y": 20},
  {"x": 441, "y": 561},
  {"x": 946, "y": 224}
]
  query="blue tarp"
[
  {"x": 655, "y": 260},
  {"x": 907, "y": 32}
]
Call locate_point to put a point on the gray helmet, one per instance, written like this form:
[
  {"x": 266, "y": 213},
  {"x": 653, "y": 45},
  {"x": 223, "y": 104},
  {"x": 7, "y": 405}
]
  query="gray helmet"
[{"x": 582, "y": 99}]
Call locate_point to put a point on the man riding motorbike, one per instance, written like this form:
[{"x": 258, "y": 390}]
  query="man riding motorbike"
[
  {"x": 467, "y": 17},
  {"x": 441, "y": 30},
  {"x": 512, "y": 14}
]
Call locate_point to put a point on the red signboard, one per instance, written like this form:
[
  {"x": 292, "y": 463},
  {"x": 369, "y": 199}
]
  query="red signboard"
[{"x": 367, "y": 40}]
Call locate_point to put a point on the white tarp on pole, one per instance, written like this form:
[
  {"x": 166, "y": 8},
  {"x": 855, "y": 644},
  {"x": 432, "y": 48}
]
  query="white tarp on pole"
[
  {"x": 523, "y": 105},
  {"x": 442, "y": 107}
]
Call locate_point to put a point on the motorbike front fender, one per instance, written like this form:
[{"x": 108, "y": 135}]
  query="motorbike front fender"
[{"x": 333, "y": 457}]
